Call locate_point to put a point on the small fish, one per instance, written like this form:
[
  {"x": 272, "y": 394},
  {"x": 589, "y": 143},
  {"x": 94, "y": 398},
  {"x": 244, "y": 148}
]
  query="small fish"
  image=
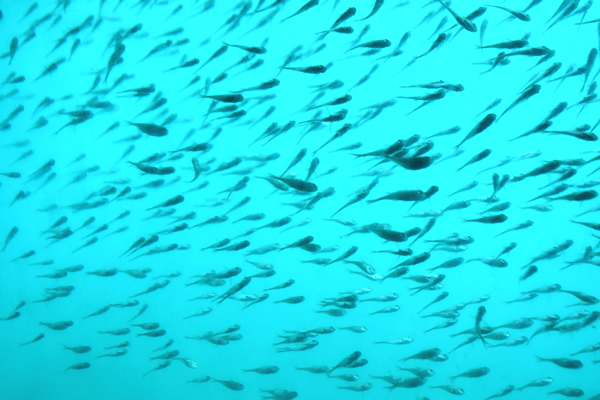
[
  {"x": 36, "y": 339},
  {"x": 313, "y": 69},
  {"x": 231, "y": 385},
  {"x": 11, "y": 234},
  {"x": 480, "y": 313},
  {"x": 310, "y": 4},
  {"x": 462, "y": 21},
  {"x": 563, "y": 362},
  {"x": 485, "y": 123},
  {"x": 492, "y": 219},
  {"x": 78, "y": 349},
  {"x": 78, "y": 366}
]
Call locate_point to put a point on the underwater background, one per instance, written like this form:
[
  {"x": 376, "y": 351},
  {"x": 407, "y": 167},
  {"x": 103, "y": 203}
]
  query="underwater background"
[{"x": 69, "y": 141}]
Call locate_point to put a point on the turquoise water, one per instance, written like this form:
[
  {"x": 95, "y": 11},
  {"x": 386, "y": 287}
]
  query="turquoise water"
[{"x": 89, "y": 160}]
